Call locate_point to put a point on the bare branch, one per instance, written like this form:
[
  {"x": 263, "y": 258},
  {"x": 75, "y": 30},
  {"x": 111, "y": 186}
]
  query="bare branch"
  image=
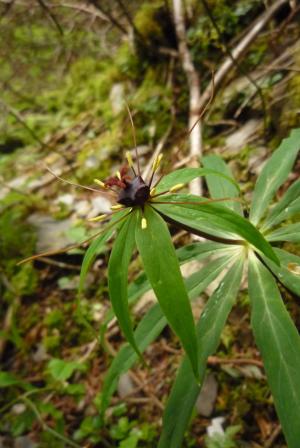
[
  {"x": 194, "y": 92},
  {"x": 240, "y": 49},
  {"x": 51, "y": 15},
  {"x": 109, "y": 16}
]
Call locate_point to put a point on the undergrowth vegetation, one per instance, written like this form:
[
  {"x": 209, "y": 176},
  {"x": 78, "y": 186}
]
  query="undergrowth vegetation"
[{"x": 67, "y": 378}]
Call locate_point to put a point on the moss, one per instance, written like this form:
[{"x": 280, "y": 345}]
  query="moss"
[
  {"x": 12, "y": 224},
  {"x": 52, "y": 342},
  {"x": 289, "y": 117},
  {"x": 146, "y": 20},
  {"x": 153, "y": 102},
  {"x": 128, "y": 64},
  {"x": 155, "y": 27}
]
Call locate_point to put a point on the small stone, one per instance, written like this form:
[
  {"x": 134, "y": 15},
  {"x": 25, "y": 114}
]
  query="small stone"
[
  {"x": 18, "y": 408},
  {"x": 238, "y": 139},
  {"x": 24, "y": 442},
  {"x": 40, "y": 354},
  {"x": 51, "y": 233},
  {"x": 216, "y": 428},
  {"x": 125, "y": 385},
  {"x": 66, "y": 199},
  {"x": 82, "y": 208},
  {"x": 99, "y": 205},
  {"x": 206, "y": 400},
  {"x": 116, "y": 97}
]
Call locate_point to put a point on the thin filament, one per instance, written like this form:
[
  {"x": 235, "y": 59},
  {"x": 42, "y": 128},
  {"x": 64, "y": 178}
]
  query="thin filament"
[
  {"x": 158, "y": 181},
  {"x": 69, "y": 182},
  {"x": 207, "y": 104},
  {"x": 134, "y": 139},
  {"x": 209, "y": 201},
  {"x": 73, "y": 246}
]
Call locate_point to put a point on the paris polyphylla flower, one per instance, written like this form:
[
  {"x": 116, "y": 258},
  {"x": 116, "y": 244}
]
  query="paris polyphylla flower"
[{"x": 142, "y": 206}]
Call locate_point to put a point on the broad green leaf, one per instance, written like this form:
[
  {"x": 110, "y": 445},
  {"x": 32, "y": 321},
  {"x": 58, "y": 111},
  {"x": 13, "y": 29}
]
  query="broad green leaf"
[
  {"x": 118, "y": 276},
  {"x": 218, "y": 186},
  {"x": 289, "y": 271},
  {"x": 152, "y": 325},
  {"x": 185, "y": 390},
  {"x": 285, "y": 208},
  {"x": 290, "y": 232},
  {"x": 62, "y": 370},
  {"x": 185, "y": 175},
  {"x": 279, "y": 343},
  {"x": 162, "y": 268},
  {"x": 213, "y": 217},
  {"x": 273, "y": 174}
]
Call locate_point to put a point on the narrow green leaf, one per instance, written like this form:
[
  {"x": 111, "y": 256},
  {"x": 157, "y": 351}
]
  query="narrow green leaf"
[
  {"x": 90, "y": 255},
  {"x": 290, "y": 232},
  {"x": 162, "y": 268},
  {"x": 284, "y": 208},
  {"x": 194, "y": 251},
  {"x": 118, "y": 276},
  {"x": 96, "y": 246},
  {"x": 185, "y": 390},
  {"x": 274, "y": 173},
  {"x": 152, "y": 325},
  {"x": 213, "y": 219},
  {"x": 279, "y": 343},
  {"x": 218, "y": 186},
  {"x": 289, "y": 271},
  {"x": 185, "y": 175},
  {"x": 198, "y": 251}
]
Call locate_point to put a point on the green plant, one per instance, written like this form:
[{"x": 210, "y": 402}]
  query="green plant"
[
  {"x": 236, "y": 242},
  {"x": 225, "y": 440}
]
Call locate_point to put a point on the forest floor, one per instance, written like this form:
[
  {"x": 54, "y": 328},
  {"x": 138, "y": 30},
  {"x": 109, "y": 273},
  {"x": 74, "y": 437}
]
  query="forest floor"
[{"x": 53, "y": 361}]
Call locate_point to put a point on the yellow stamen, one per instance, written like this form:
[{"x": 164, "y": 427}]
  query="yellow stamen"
[
  {"x": 118, "y": 174},
  {"x": 152, "y": 191},
  {"x": 97, "y": 218},
  {"x": 156, "y": 162},
  {"x": 176, "y": 188},
  {"x": 100, "y": 183},
  {"x": 117, "y": 207},
  {"x": 129, "y": 159},
  {"x": 144, "y": 223}
]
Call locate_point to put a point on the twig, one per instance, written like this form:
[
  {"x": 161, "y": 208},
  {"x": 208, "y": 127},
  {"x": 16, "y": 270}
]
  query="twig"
[
  {"x": 157, "y": 150},
  {"x": 18, "y": 117},
  {"x": 51, "y": 16},
  {"x": 109, "y": 16},
  {"x": 130, "y": 21},
  {"x": 240, "y": 49},
  {"x": 59, "y": 264},
  {"x": 273, "y": 437},
  {"x": 215, "y": 360},
  {"x": 90, "y": 348},
  {"x": 143, "y": 387},
  {"x": 83, "y": 8},
  {"x": 193, "y": 78},
  {"x": 44, "y": 425},
  {"x": 234, "y": 60}
]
